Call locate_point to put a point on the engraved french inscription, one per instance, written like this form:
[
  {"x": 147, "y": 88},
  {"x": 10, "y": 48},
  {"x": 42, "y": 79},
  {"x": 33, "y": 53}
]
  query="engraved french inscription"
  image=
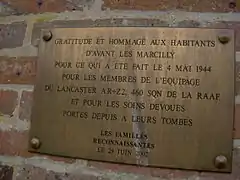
[{"x": 161, "y": 97}]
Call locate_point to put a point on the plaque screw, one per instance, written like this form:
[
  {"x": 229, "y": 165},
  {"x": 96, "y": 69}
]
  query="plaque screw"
[
  {"x": 47, "y": 35},
  {"x": 35, "y": 143},
  {"x": 220, "y": 162},
  {"x": 223, "y": 39}
]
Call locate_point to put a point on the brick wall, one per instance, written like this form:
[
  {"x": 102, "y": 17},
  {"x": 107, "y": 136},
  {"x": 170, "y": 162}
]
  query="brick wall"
[{"x": 20, "y": 24}]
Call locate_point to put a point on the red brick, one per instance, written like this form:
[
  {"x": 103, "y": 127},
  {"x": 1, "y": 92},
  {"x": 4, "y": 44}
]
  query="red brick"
[
  {"x": 12, "y": 35},
  {"x": 6, "y": 172},
  {"x": 185, "y": 5},
  {"x": 15, "y": 143},
  {"x": 30, "y": 6},
  {"x": 41, "y": 6},
  {"x": 237, "y": 122},
  {"x": 20, "y": 70},
  {"x": 26, "y": 105},
  {"x": 8, "y": 101}
]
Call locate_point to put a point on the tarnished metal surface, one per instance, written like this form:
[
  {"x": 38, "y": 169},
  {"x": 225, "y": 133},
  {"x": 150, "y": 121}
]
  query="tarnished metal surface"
[{"x": 148, "y": 96}]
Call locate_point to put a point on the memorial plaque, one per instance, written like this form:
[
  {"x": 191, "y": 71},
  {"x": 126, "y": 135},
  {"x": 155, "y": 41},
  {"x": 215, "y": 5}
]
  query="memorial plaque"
[{"x": 160, "y": 97}]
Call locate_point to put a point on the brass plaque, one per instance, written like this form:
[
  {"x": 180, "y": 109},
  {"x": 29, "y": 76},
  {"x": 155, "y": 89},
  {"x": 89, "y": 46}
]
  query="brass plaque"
[{"x": 161, "y": 97}]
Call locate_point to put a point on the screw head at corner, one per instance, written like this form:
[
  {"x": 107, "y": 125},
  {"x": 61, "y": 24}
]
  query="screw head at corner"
[
  {"x": 221, "y": 162},
  {"x": 223, "y": 39},
  {"x": 47, "y": 35},
  {"x": 35, "y": 143}
]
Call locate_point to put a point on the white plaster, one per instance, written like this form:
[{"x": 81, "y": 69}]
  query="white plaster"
[
  {"x": 236, "y": 143},
  {"x": 238, "y": 56},
  {"x": 172, "y": 17},
  {"x": 26, "y": 50},
  {"x": 237, "y": 99},
  {"x": 28, "y": 33},
  {"x": 96, "y": 13},
  {"x": 96, "y": 8},
  {"x": 8, "y": 124},
  {"x": 136, "y": 128},
  {"x": 16, "y": 87}
]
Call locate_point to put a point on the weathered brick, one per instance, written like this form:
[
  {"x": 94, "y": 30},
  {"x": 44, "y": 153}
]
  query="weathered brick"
[
  {"x": 40, "y": 6},
  {"x": 73, "y": 5},
  {"x": 6, "y": 10},
  {"x": 66, "y": 176},
  {"x": 184, "y": 174},
  {"x": 155, "y": 172},
  {"x": 216, "y": 176},
  {"x": 188, "y": 24},
  {"x": 20, "y": 70},
  {"x": 237, "y": 122},
  {"x": 12, "y": 35},
  {"x": 6, "y": 172},
  {"x": 184, "y": 5},
  {"x": 34, "y": 173},
  {"x": 162, "y": 173},
  {"x": 146, "y": 22},
  {"x": 25, "y": 105},
  {"x": 15, "y": 143},
  {"x": 30, "y": 173},
  {"x": 8, "y": 101},
  {"x": 229, "y": 25},
  {"x": 120, "y": 168}
]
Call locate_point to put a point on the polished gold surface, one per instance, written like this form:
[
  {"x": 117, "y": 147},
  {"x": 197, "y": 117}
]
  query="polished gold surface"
[{"x": 160, "y": 97}]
